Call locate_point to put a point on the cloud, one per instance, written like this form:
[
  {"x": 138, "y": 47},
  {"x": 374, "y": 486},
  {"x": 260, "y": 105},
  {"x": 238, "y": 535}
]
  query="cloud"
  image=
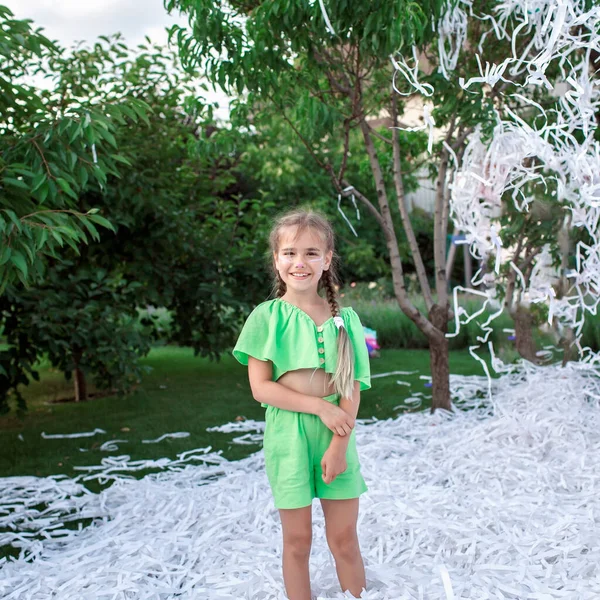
[{"x": 68, "y": 21}]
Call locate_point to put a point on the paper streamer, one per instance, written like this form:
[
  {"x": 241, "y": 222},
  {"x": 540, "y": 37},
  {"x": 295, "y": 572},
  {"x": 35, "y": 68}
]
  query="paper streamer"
[
  {"x": 59, "y": 436},
  {"x": 505, "y": 166},
  {"x": 493, "y": 501}
]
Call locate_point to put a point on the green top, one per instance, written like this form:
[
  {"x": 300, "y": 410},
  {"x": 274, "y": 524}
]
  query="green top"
[{"x": 281, "y": 332}]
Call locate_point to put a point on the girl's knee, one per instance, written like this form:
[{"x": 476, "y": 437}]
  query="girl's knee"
[
  {"x": 297, "y": 544},
  {"x": 344, "y": 543}
]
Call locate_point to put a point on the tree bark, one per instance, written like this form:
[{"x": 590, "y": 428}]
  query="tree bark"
[
  {"x": 523, "y": 334},
  {"x": 567, "y": 343},
  {"x": 410, "y": 234},
  {"x": 390, "y": 236},
  {"x": 79, "y": 379},
  {"x": 439, "y": 360}
]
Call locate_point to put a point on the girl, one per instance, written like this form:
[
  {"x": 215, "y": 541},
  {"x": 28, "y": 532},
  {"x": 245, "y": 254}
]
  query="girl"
[{"x": 307, "y": 364}]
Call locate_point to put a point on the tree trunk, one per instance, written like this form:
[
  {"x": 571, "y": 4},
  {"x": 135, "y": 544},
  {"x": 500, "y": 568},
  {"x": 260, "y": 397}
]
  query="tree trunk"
[
  {"x": 524, "y": 334},
  {"x": 79, "y": 379},
  {"x": 567, "y": 339},
  {"x": 439, "y": 358},
  {"x": 567, "y": 343}
]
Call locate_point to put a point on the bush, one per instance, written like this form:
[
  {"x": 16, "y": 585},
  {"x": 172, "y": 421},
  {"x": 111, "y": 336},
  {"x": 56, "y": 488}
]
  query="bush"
[
  {"x": 396, "y": 330},
  {"x": 156, "y": 323}
]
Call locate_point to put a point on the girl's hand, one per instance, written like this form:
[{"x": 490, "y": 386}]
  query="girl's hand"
[
  {"x": 336, "y": 419},
  {"x": 333, "y": 463}
]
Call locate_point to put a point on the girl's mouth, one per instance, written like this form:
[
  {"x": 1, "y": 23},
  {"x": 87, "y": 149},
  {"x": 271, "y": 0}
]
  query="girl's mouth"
[{"x": 300, "y": 275}]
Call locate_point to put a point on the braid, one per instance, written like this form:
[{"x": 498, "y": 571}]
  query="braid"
[
  {"x": 328, "y": 285},
  {"x": 343, "y": 378},
  {"x": 280, "y": 287}
]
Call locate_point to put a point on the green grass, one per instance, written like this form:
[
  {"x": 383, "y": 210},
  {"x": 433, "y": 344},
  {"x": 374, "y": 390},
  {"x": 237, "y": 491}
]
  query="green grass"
[{"x": 182, "y": 393}]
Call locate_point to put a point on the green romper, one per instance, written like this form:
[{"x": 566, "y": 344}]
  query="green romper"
[{"x": 294, "y": 442}]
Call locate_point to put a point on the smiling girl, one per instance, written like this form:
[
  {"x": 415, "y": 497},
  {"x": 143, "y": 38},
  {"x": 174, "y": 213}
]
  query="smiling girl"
[{"x": 307, "y": 364}]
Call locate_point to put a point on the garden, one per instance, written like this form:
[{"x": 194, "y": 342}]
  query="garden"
[{"x": 134, "y": 236}]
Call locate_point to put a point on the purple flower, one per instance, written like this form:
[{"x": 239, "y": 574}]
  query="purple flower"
[
  {"x": 428, "y": 384},
  {"x": 512, "y": 338}
]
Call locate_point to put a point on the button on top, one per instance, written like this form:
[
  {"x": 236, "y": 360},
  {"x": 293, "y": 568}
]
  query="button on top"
[
  {"x": 320, "y": 328},
  {"x": 320, "y": 340}
]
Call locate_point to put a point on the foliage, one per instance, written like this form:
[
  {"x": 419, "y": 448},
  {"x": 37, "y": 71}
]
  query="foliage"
[
  {"x": 82, "y": 320},
  {"x": 396, "y": 330},
  {"x": 177, "y": 214},
  {"x": 54, "y": 144},
  {"x": 286, "y": 176}
]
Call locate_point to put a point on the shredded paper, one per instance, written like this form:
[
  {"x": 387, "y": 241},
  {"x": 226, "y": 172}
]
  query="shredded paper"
[{"x": 497, "y": 500}]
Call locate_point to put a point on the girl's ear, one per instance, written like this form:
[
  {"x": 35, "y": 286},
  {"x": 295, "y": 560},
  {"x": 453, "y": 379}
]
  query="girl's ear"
[{"x": 328, "y": 258}]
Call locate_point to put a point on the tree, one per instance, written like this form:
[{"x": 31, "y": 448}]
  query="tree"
[
  {"x": 328, "y": 79},
  {"x": 527, "y": 183},
  {"x": 327, "y": 71},
  {"x": 54, "y": 143},
  {"x": 175, "y": 214}
]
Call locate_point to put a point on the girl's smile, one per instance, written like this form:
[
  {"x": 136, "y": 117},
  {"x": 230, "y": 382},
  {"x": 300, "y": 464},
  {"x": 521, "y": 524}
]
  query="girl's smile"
[{"x": 301, "y": 259}]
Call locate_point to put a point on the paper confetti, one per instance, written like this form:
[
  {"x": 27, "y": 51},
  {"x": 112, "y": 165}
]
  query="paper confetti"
[{"x": 496, "y": 500}]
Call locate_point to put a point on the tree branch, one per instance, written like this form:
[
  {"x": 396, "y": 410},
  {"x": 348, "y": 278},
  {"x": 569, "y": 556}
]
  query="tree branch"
[
  {"x": 410, "y": 234},
  {"x": 300, "y": 137}
]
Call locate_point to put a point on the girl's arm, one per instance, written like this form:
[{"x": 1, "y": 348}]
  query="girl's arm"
[
  {"x": 275, "y": 394},
  {"x": 339, "y": 442},
  {"x": 265, "y": 390}
]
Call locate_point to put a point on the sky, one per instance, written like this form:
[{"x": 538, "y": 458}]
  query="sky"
[{"x": 70, "y": 21}]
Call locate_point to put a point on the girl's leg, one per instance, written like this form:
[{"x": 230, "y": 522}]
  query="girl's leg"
[
  {"x": 297, "y": 539},
  {"x": 340, "y": 528}
]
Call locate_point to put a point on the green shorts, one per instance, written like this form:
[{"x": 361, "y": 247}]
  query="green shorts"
[{"x": 294, "y": 444}]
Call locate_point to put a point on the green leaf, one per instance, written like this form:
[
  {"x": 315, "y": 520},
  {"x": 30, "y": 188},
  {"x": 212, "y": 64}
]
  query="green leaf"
[
  {"x": 73, "y": 245},
  {"x": 5, "y": 255},
  {"x": 22, "y": 171},
  {"x": 110, "y": 138},
  {"x": 15, "y": 183},
  {"x": 29, "y": 251},
  {"x": 57, "y": 237},
  {"x": 75, "y": 133},
  {"x": 43, "y": 192},
  {"x": 38, "y": 181},
  {"x": 18, "y": 260},
  {"x": 42, "y": 239},
  {"x": 66, "y": 188},
  {"x": 130, "y": 113},
  {"x": 90, "y": 227},
  {"x": 13, "y": 217},
  {"x": 102, "y": 221},
  {"x": 121, "y": 159}
]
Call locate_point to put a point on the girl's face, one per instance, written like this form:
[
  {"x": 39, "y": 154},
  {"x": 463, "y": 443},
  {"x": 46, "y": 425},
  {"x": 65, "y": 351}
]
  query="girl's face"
[{"x": 301, "y": 259}]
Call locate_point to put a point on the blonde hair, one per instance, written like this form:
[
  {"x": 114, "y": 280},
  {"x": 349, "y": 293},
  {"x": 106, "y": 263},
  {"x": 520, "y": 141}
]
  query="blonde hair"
[{"x": 302, "y": 220}]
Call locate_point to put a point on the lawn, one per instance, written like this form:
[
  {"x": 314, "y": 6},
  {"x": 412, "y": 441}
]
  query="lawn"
[{"x": 182, "y": 393}]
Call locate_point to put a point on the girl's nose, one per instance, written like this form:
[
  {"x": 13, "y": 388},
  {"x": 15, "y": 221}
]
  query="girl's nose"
[{"x": 300, "y": 265}]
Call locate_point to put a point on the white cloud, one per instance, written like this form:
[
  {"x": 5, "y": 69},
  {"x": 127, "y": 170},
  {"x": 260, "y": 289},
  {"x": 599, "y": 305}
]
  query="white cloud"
[{"x": 68, "y": 21}]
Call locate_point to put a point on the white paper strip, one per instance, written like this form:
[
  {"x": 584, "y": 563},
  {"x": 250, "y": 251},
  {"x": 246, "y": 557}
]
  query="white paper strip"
[{"x": 493, "y": 501}]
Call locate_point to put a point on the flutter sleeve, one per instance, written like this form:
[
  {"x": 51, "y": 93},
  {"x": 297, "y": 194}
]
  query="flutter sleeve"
[
  {"x": 362, "y": 367},
  {"x": 254, "y": 339}
]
